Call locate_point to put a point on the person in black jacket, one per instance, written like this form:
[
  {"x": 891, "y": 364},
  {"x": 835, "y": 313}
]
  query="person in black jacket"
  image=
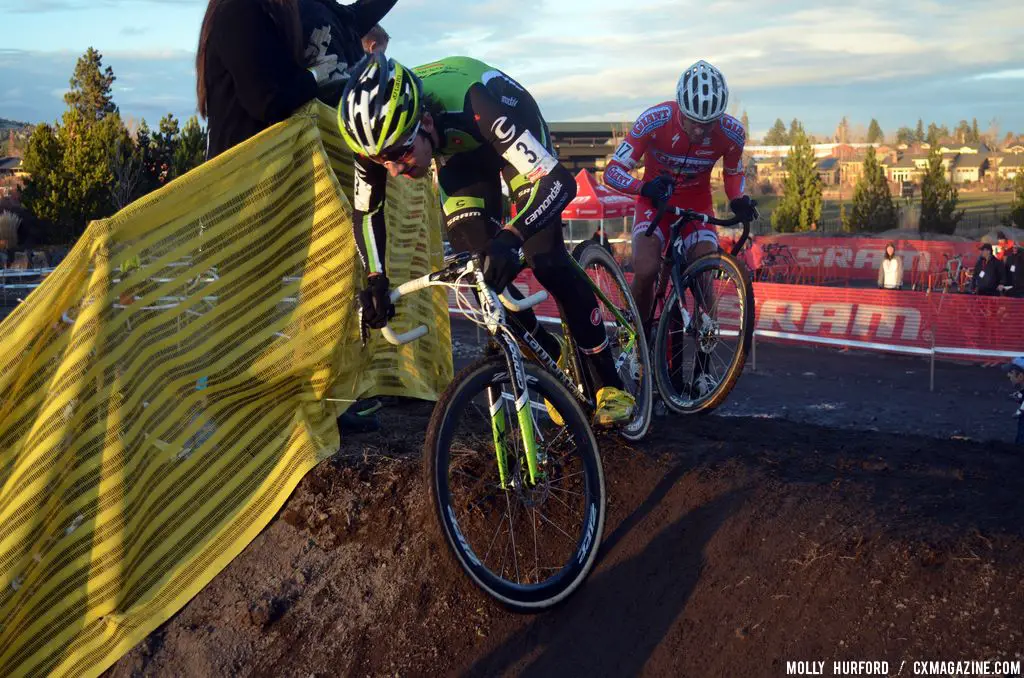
[
  {"x": 250, "y": 68},
  {"x": 988, "y": 273},
  {"x": 332, "y": 29},
  {"x": 1013, "y": 273}
]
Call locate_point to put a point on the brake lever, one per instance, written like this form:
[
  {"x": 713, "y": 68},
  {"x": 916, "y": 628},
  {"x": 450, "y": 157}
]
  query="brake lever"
[{"x": 657, "y": 219}]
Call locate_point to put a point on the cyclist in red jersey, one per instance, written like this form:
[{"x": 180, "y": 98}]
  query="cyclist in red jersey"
[{"x": 679, "y": 142}]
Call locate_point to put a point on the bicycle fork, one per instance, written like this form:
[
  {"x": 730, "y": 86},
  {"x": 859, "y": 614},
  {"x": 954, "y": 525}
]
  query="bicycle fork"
[
  {"x": 524, "y": 416},
  {"x": 520, "y": 396}
]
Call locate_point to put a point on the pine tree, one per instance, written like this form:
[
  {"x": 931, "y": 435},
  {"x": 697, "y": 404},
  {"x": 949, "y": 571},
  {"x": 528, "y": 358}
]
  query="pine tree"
[
  {"x": 777, "y": 136},
  {"x": 919, "y": 131},
  {"x": 43, "y": 160},
  {"x": 962, "y": 133},
  {"x": 794, "y": 129},
  {"x": 843, "y": 131},
  {"x": 1016, "y": 216},
  {"x": 873, "y": 208},
  {"x": 875, "y": 132},
  {"x": 905, "y": 135},
  {"x": 939, "y": 199},
  {"x": 800, "y": 205},
  {"x": 165, "y": 142},
  {"x": 934, "y": 134},
  {"x": 144, "y": 142},
  {"x": 975, "y": 133},
  {"x": 745, "y": 121},
  {"x": 70, "y": 163},
  {"x": 191, "y": 149},
  {"x": 91, "y": 87},
  {"x": 71, "y": 176}
]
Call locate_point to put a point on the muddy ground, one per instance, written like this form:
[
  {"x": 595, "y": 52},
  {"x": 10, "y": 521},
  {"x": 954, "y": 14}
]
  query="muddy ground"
[{"x": 781, "y": 529}]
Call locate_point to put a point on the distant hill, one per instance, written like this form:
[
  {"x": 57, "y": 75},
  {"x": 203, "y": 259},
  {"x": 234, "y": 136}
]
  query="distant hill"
[{"x": 6, "y": 124}]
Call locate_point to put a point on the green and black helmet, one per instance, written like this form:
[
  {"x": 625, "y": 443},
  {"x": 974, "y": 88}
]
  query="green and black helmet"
[{"x": 380, "y": 109}]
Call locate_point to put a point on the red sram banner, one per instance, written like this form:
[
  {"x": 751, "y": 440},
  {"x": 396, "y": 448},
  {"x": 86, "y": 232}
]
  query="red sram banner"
[
  {"x": 953, "y": 325},
  {"x": 828, "y": 259}
]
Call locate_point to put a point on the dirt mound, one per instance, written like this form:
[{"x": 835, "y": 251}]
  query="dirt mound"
[{"x": 732, "y": 546}]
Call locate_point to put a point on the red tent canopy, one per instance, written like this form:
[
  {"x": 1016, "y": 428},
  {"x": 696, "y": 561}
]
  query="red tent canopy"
[{"x": 595, "y": 201}]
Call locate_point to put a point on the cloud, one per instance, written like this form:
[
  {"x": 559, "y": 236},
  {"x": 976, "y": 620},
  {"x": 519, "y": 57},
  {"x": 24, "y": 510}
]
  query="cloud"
[
  {"x": 57, "y": 6},
  {"x": 148, "y": 84},
  {"x": 587, "y": 60},
  {"x": 1011, "y": 74}
]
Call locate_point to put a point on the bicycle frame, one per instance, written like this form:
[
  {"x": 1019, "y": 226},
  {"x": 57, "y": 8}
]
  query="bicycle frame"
[{"x": 492, "y": 307}]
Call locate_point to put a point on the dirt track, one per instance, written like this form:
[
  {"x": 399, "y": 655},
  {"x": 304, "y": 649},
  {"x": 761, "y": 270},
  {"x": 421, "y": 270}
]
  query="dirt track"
[{"x": 733, "y": 544}]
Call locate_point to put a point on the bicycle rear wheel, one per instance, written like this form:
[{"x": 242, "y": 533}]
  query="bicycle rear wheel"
[
  {"x": 627, "y": 341},
  {"x": 528, "y": 546},
  {"x": 712, "y": 316}
]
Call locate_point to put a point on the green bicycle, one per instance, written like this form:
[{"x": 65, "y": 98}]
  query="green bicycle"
[{"x": 519, "y": 498}]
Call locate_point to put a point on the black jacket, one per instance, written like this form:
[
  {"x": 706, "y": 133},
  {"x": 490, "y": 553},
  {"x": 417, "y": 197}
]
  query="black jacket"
[
  {"x": 329, "y": 27},
  {"x": 988, "y": 276},
  {"x": 1013, "y": 272},
  {"x": 252, "y": 80}
]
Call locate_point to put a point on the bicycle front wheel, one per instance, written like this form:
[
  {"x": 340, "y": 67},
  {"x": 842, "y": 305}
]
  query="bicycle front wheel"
[
  {"x": 704, "y": 335},
  {"x": 627, "y": 341},
  {"x": 527, "y": 544}
]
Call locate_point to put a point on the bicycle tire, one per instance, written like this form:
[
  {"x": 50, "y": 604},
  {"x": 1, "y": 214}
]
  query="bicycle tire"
[
  {"x": 669, "y": 395},
  {"x": 469, "y": 382},
  {"x": 589, "y": 253}
]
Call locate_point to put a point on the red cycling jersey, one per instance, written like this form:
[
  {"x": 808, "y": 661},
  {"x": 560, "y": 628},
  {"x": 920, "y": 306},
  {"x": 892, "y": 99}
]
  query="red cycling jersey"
[{"x": 658, "y": 139}]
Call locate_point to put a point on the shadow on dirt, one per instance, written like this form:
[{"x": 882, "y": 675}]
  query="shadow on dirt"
[{"x": 612, "y": 626}]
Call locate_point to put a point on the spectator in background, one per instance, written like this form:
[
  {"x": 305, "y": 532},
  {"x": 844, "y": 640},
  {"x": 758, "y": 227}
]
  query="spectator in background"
[
  {"x": 1015, "y": 373},
  {"x": 890, "y": 271},
  {"x": 988, "y": 273},
  {"x": 1003, "y": 246},
  {"x": 334, "y": 29},
  {"x": 250, "y": 70},
  {"x": 752, "y": 255},
  {"x": 345, "y": 33},
  {"x": 376, "y": 40},
  {"x": 1013, "y": 272}
]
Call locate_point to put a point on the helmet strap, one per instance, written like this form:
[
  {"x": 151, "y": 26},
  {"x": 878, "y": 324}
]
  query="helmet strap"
[{"x": 430, "y": 138}]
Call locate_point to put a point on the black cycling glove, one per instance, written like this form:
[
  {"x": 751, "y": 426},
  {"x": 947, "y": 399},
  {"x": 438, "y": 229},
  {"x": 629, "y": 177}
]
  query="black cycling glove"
[
  {"x": 501, "y": 260},
  {"x": 744, "y": 208},
  {"x": 375, "y": 301},
  {"x": 658, "y": 190}
]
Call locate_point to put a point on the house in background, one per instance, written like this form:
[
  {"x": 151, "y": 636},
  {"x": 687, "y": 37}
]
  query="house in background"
[
  {"x": 1010, "y": 166},
  {"x": 828, "y": 170},
  {"x": 965, "y": 149},
  {"x": 969, "y": 168},
  {"x": 905, "y": 169},
  {"x": 11, "y": 167}
]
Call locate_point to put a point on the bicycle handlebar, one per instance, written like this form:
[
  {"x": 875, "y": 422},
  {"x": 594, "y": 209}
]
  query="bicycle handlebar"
[
  {"x": 690, "y": 215},
  {"x": 516, "y": 305},
  {"x": 425, "y": 281}
]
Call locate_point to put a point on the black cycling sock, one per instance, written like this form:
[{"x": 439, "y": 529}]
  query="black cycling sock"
[{"x": 601, "y": 369}]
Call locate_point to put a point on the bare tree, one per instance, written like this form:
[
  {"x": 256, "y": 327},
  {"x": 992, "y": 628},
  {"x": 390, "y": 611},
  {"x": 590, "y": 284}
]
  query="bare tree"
[
  {"x": 991, "y": 135},
  {"x": 126, "y": 165},
  {"x": 9, "y": 223}
]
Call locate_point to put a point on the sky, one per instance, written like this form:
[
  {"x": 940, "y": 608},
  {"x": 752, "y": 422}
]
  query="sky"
[{"x": 584, "y": 60}]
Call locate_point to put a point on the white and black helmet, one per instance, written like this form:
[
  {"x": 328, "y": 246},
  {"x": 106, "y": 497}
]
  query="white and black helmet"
[
  {"x": 379, "y": 110},
  {"x": 702, "y": 94}
]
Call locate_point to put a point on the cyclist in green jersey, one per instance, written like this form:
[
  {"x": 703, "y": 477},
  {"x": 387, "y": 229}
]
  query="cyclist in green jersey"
[{"x": 481, "y": 127}]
